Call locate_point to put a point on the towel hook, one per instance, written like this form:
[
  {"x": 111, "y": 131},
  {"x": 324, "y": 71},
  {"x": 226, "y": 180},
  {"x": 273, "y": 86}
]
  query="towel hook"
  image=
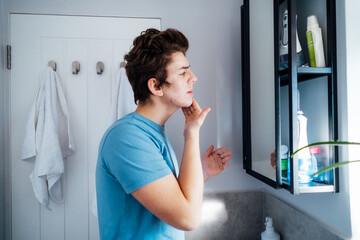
[
  {"x": 99, "y": 67},
  {"x": 52, "y": 64},
  {"x": 122, "y": 64},
  {"x": 75, "y": 67}
]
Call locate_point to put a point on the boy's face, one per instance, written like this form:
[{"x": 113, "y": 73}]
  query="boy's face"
[{"x": 179, "y": 91}]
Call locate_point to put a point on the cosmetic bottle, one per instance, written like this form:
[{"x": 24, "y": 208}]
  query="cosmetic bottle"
[
  {"x": 315, "y": 42},
  {"x": 269, "y": 233}
]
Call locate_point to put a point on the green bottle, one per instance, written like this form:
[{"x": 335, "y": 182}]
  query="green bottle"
[
  {"x": 311, "y": 49},
  {"x": 315, "y": 42}
]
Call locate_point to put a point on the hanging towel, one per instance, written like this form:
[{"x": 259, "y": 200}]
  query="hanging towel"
[
  {"x": 48, "y": 139},
  {"x": 122, "y": 97},
  {"x": 122, "y": 103}
]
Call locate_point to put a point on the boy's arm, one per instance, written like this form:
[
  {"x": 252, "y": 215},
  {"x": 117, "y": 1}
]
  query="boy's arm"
[{"x": 178, "y": 201}]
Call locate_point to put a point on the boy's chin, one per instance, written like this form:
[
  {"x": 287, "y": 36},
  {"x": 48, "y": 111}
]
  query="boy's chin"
[{"x": 188, "y": 104}]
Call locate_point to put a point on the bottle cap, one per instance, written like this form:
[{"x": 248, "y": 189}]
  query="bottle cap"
[
  {"x": 315, "y": 150},
  {"x": 312, "y": 22}
]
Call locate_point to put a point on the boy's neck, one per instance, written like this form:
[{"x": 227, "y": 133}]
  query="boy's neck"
[{"x": 155, "y": 111}]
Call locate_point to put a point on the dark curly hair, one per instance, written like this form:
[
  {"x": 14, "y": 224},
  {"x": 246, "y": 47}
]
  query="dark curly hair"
[{"x": 148, "y": 58}]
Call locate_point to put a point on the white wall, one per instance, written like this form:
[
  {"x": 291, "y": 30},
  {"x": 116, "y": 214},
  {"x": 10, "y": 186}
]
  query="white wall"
[
  {"x": 352, "y": 19},
  {"x": 2, "y": 129},
  {"x": 213, "y": 29}
]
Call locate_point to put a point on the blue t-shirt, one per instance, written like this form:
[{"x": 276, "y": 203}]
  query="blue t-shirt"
[{"x": 134, "y": 152}]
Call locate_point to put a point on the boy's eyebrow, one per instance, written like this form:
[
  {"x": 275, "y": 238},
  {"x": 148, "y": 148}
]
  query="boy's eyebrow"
[{"x": 185, "y": 67}]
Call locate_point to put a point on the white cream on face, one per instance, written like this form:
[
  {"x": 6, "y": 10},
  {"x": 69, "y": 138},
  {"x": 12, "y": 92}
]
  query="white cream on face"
[{"x": 181, "y": 78}]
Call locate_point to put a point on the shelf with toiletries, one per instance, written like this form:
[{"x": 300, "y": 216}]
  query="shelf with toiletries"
[
  {"x": 312, "y": 110},
  {"x": 296, "y": 82},
  {"x": 304, "y": 74},
  {"x": 311, "y": 29},
  {"x": 307, "y": 92}
]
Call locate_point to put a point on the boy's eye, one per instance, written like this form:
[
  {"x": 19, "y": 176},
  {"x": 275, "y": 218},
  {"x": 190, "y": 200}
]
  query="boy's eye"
[{"x": 183, "y": 74}]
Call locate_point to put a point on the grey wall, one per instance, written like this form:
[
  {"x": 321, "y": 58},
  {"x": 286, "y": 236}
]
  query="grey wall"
[
  {"x": 234, "y": 216},
  {"x": 292, "y": 223},
  {"x": 213, "y": 29},
  {"x": 230, "y": 216}
]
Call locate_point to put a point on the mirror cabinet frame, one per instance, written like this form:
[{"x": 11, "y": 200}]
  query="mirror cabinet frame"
[{"x": 292, "y": 75}]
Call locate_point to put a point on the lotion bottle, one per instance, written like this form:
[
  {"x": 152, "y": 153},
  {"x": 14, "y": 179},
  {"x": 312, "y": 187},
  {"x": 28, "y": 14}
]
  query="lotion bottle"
[
  {"x": 315, "y": 42},
  {"x": 269, "y": 233}
]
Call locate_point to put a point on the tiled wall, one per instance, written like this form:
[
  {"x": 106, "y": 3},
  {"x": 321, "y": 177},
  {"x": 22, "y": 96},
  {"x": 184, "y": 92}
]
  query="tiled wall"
[
  {"x": 228, "y": 216},
  {"x": 293, "y": 224}
]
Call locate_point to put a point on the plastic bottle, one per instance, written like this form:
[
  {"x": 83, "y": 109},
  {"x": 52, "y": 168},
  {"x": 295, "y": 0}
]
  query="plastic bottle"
[
  {"x": 269, "y": 233},
  {"x": 315, "y": 42},
  {"x": 284, "y": 45},
  {"x": 315, "y": 152},
  {"x": 304, "y": 157},
  {"x": 284, "y": 156}
]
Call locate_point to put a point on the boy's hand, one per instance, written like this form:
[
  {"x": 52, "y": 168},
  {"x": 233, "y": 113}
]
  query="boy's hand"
[
  {"x": 194, "y": 118},
  {"x": 215, "y": 161}
]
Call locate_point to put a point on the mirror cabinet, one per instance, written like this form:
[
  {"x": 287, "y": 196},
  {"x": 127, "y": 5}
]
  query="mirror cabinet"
[{"x": 289, "y": 100}]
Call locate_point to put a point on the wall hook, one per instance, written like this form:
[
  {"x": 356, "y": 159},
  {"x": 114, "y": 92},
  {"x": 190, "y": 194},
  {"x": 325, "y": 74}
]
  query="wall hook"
[
  {"x": 75, "y": 67},
  {"x": 52, "y": 64},
  {"x": 99, "y": 68},
  {"x": 122, "y": 64}
]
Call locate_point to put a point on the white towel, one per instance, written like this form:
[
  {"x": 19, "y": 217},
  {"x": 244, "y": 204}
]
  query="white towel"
[
  {"x": 122, "y": 103},
  {"x": 122, "y": 97},
  {"x": 48, "y": 138}
]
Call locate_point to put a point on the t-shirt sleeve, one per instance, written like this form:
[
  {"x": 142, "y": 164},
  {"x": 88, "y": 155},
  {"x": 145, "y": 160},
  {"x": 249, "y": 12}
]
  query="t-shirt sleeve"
[{"x": 134, "y": 158}]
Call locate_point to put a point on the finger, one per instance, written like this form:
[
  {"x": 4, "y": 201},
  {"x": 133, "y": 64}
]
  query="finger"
[
  {"x": 183, "y": 110},
  {"x": 225, "y": 165},
  {"x": 220, "y": 150},
  {"x": 186, "y": 111},
  {"x": 209, "y": 150},
  {"x": 225, "y": 154},
  {"x": 226, "y": 159},
  {"x": 192, "y": 109},
  {"x": 204, "y": 113},
  {"x": 273, "y": 163},
  {"x": 195, "y": 105}
]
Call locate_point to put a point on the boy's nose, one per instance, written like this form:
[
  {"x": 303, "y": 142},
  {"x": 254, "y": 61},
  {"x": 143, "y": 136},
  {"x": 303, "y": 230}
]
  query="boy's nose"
[{"x": 193, "y": 78}]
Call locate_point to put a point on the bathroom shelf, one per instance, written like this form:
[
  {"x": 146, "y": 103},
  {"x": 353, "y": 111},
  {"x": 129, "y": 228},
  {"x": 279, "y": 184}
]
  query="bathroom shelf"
[
  {"x": 315, "y": 187},
  {"x": 297, "y": 16},
  {"x": 304, "y": 74}
]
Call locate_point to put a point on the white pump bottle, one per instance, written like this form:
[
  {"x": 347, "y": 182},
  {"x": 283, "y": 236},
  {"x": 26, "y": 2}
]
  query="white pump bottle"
[{"x": 269, "y": 233}]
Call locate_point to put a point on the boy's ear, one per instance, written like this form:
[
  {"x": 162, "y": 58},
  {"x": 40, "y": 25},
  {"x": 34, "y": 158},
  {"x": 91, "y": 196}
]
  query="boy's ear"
[{"x": 154, "y": 88}]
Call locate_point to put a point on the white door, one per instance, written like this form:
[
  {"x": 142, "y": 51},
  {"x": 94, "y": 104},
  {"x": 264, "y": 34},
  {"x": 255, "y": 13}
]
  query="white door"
[{"x": 35, "y": 40}]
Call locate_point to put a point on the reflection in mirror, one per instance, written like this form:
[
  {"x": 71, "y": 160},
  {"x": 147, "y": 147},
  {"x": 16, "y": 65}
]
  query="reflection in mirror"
[
  {"x": 313, "y": 97},
  {"x": 262, "y": 90},
  {"x": 283, "y": 26}
]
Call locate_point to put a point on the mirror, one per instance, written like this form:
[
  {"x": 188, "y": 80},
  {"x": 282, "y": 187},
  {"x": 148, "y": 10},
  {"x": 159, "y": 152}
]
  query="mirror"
[
  {"x": 286, "y": 103},
  {"x": 260, "y": 89}
]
